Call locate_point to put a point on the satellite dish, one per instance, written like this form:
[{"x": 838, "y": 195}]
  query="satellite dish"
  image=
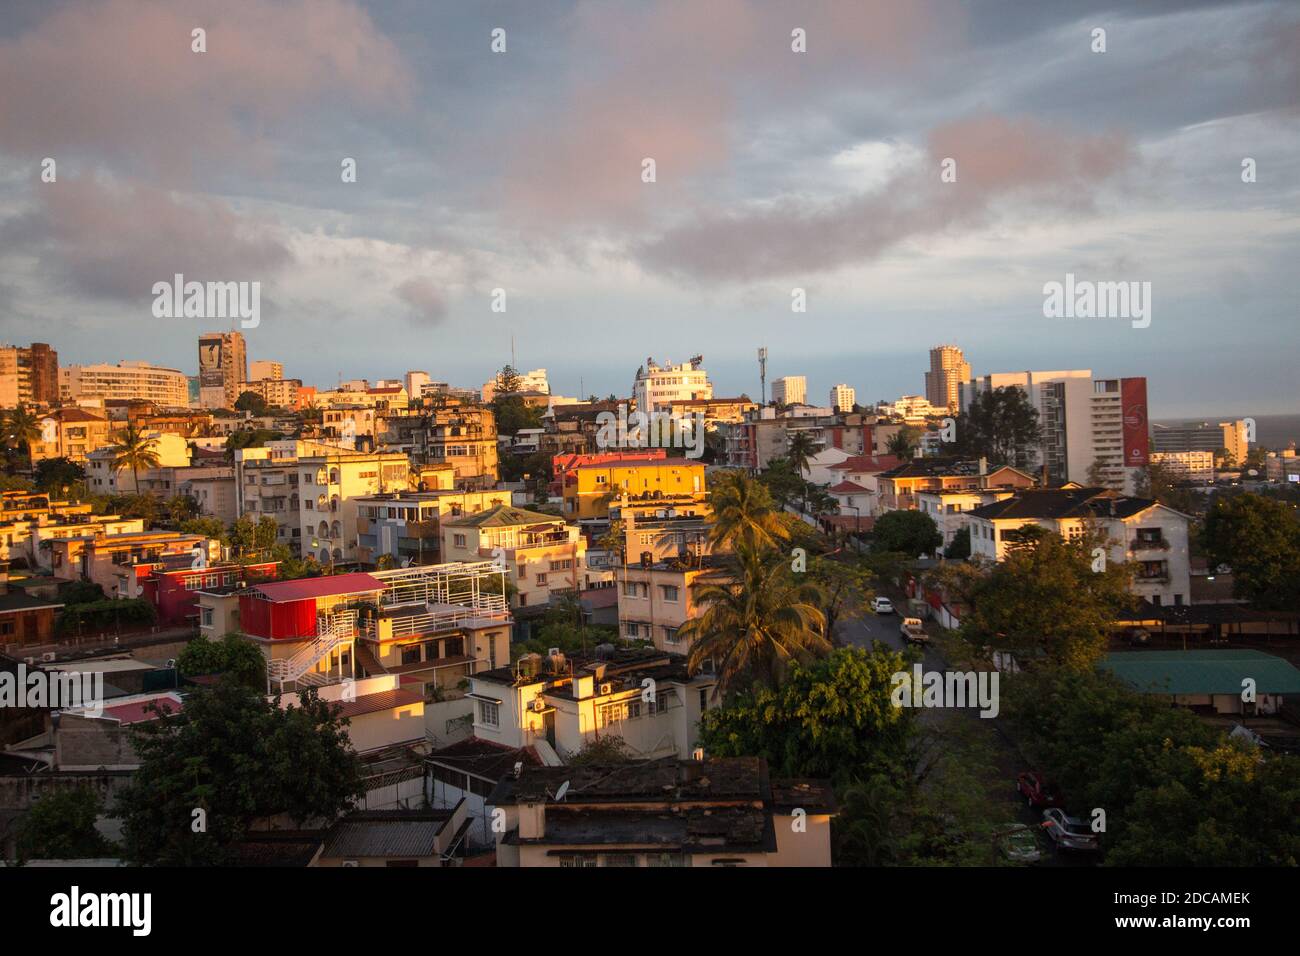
[{"x": 559, "y": 794}]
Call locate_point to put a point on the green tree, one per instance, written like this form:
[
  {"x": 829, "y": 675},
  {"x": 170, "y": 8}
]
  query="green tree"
[
  {"x": 609, "y": 749},
  {"x": 1259, "y": 538},
  {"x": 58, "y": 476},
  {"x": 240, "y": 758},
  {"x": 756, "y": 621},
  {"x": 906, "y": 532},
  {"x": 783, "y": 482},
  {"x": 20, "y": 429},
  {"x": 903, "y": 443},
  {"x": 251, "y": 402},
  {"x": 845, "y": 585},
  {"x": 181, "y": 508},
  {"x": 831, "y": 718},
  {"x": 959, "y": 548},
  {"x": 233, "y": 655},
  {"x": 744, "y": 514},
  {"x": 208, "y": 527},
  {"x": 133, "y": 449},
  {"x": 61, "y": 826},
  {"x": 1001, "y": 425},
  {"x": 1049, "y": 597}
]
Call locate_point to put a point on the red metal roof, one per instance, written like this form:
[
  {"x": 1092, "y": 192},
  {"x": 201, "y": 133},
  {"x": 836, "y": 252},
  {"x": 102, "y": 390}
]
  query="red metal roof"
[
  {"x": 303, "y": 589},
  {"x": 135, "y": 713}
]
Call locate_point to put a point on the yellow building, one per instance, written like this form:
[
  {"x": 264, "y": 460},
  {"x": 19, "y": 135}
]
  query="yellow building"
[
  {"x": 669, "y": 481},
  {"x": 71, "y": 433},
  {"x": 541, "y": 553}
]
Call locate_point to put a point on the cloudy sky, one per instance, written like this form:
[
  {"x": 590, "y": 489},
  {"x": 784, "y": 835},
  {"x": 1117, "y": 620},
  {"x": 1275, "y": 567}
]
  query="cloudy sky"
[{"x": 774, "y": 170}]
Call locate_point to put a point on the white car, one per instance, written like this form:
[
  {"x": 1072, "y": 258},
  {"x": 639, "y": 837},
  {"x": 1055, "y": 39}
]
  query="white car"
[
  {"x": 882, "y": 605},
  {"x": 1067, "y": 832}
]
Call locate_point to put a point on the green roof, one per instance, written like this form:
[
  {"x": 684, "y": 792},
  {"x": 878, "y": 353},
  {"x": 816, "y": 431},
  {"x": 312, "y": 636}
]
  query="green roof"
[
  {"x": 1203, "y": 672},
  {"x": 500, "y": 516}
]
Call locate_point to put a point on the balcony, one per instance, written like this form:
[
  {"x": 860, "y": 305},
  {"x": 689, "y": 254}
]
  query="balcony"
[{"x": 1149, "y": 544}]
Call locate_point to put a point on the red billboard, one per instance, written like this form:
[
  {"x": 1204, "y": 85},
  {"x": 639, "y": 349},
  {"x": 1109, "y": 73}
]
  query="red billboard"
[{"x": 1133, "y": 396}]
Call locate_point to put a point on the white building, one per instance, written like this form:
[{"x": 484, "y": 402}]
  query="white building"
[
  {"x": 1139, "y": 530},
  {"x": 530, "y": 381},
  {"x": 843, "y": 398},
  {"x": 124, "y": 381},
  {"x": 264, "y": 369},
  {"x": 1186, "y": 465},
  {"x": 659, "y": 386},
  {"x": 790, "y": 390}
]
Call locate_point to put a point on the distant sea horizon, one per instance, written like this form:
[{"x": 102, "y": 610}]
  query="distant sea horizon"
[{"x": 1271, "y": 431}]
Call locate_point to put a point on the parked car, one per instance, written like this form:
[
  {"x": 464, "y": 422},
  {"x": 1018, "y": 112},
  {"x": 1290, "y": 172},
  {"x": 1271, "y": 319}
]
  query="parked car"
[
  {"x": 912, "y": 631},
  {"x": 882, "y": 605},
  {"x": 1067, "y": 832},
  {"x": 1019, "y": 843},
  {"x": 1037, "y": 791}
]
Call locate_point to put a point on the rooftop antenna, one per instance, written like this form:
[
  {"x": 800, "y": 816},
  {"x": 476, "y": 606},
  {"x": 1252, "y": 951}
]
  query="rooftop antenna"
[
  {"x": 762, "y": 375},
  {"x": 512, "y": 352}
]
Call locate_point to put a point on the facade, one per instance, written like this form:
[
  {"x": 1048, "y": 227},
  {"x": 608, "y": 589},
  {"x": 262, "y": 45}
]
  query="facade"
[
  {"x": 433, "y": 627},
  {"x": 264, "y": 370},
  {"x": 276, "y": 392},
  {"x": 216, "y": 495},
  {"x": 559, "y": 704},
  {"x": 223, "y": 365},
  {"x": 407, "y": 525},
  {"x": 172, "y": 585},
  {"x": 664, "y": 482},
  {"x": 125, "y": 381},
  {"x": 173, "y": 452},
  {"x": 1138, "y": 530},
  {"x": 790, "y": 390},
  {"x": 899, "y": 487},
  {"x": 25, "y": 619},
  {"x": 120, "y": 563},
  {"x": 541, "y": 554},
  {"x": 28, "y": 376},
  {"x": 843, "y": 398},
  {"x": 1203, "y": 436},
  {"x": 657, "y": 597},
  {"x": 948, "y": 371},
  {"x": 71, "y": 433},
  {"x": 1195, "y": 466},
  {"x": 671, "y": 812},
  {"x": 948, "y": 509},
  {"x": 658, "y": 386}
]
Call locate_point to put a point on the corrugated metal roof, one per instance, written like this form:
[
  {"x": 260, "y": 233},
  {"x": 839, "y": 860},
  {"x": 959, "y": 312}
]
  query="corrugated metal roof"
[
  {"x": 335, "y": 585},
  {"x": 386, "y": 833},
  {"x": 1203, "y": 672}
]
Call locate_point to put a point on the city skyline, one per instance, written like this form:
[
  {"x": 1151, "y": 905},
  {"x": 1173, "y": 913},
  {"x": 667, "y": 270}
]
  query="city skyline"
[{"x": 522, "y": 170}]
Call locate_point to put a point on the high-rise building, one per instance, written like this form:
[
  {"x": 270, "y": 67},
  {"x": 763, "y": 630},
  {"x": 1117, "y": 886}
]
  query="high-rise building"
[
  {"x": 415, "y": 382},
  {"x": 843, "y": 398},
  {"x": 1202, "y": 436},
  {"x": 125, "y": 381},
  {"x": 658, "y": 386},
  {"x": 264, "y": 369},
  {"x": 948, "y": 370},
  {"x": 28, "y": 375},
  {"x": 790, "y": 390},
  {"x": 223, "y": 366},
  {"x": 1094, "y": 430}
]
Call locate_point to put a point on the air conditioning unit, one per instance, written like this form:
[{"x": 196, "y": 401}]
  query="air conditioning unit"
[
  {"x": 48, "y": 656},
  {"x": 539, "y": 704},
  {"x": 351, "y": 863},
  {"x": 606, "y": 689}
]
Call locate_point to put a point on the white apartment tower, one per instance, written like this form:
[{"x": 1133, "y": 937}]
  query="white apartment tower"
[
  {"x": 948, "y": 370},
  {"x": 843, "y": 398},
  {"x": 790, "y": 390},
  {"x": 658, "y": 386}
]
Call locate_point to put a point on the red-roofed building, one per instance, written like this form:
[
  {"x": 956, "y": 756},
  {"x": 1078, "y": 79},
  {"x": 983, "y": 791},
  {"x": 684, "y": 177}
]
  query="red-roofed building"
[{"x": 174, "y": 591}]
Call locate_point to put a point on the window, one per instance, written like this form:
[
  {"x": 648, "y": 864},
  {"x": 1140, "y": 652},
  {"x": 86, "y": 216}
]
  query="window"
[
  {"x": 636, "y": 589},
  {"x": 633, "y": 629},
  {"x": 575, "y": 860},
  {"x": 458, "y": 540},
  {"x": 670, "y": 635},
  {"x": 205, "y": 616},
  {"x": 411, "y": 654},
  {"x": 620, "y": 859},
  {"x": 489, "y": 713},
  {"x": 669, "y": 592}
]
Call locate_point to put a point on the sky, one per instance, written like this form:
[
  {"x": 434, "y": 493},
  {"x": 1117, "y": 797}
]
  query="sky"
[{"x": 774, "y": 170}]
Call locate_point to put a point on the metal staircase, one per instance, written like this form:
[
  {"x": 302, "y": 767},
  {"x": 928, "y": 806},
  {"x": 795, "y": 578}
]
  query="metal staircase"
[{"x": 332, "y": 632}]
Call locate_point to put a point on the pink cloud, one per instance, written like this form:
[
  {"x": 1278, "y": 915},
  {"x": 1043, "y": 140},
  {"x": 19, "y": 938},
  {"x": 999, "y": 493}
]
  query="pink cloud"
[{"x": 117, "y": 80}]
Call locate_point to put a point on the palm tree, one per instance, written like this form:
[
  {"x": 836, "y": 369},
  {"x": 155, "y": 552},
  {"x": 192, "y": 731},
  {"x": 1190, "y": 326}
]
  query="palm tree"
[
  {"x": 135, "y": 450},
  {"x": 801, "y": 448},
  {"x": 21, "y": 429},
  {"x": 756, "y": 622},
  {"x": 744, "y": 514},
  {"x": 901, "y": 443}
]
